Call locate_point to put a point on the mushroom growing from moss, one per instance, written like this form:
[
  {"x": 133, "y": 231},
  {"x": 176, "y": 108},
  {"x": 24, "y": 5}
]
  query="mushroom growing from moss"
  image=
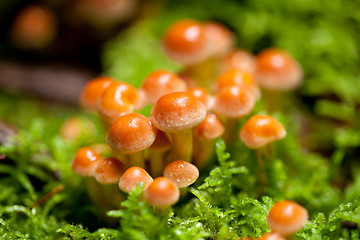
[{"x": 162, "y": 193}]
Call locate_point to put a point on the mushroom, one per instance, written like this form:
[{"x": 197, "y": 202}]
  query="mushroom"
[
  {"x": 157, "y": 153},
  {"x": 177, "y": 113},
  {"x": 287, "y": 217},
  {"x": 93, "y": 90},
  {"x": 34, "y": 28},
  {"x": 205, "y": 134},
  {"x": 131, "y": 134},
  {"x": 159, "y": 83},
  {"x": 132, "y": 177},
  {"x": 185, "y": 42},
  {"x": 182, "y": 173},
  {"x": 203, "y": 95},
  {"x": 233, "y": 103},
  {"x": 109, "y": 170},
  {"x": 75, "y": 128},
  {"x": 219, "y": 37},
  {"x": 162, "y": 193},
  {"x": 119, "y": 98},
  {"x": 85, "y": 162},
  {"x": 237, "y": 77},
  {"x": 240, "y": 59},
  {"x": 257, "y": 133},
  {"x": 271, "y": 236}
]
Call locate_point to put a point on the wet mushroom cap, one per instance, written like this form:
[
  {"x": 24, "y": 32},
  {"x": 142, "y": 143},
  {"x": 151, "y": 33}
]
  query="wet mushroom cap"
[
  {"x": 119, "y": 98},
  {"x": 161, "y": 82},
  {"x": 181, "y": 173},
  {"x": 260, "y": 130},
  {"x": 278, "y": 70},
  {"x": 234, "y": 101},
  {"x": 185, "y": 41},
  {"x": 85, "y": 161},
  {"x": 162, "y": 193},
  {"x": 287, "y": 217},
  {"x": 203, "y": 95},
  {"x": 177, "y": 111},
  {"x": 131, "y": 133},
  {"x": 132, "y": 177},
  {"x": 109, "y": 170},
  {"x": 93, "y": 90},
  {"x": 210, "y": 128}
]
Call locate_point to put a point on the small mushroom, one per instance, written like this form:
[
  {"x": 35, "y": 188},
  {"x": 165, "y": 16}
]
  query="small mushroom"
[
  {"x": 109, "y": 170},
  {"x": 271, "y": 236},
  {"x": 131, "y": 134},
  {"x": 203, "y": 95},
  {"x": 182, "y": 173},
  {"x": 93, "y": 90},
  {"x": 177, "y": 113},
  {"x": 159, "y": 83},
  {"x": 219, "y": 37},
  {"x": 85, "y": 162},
  {"x": 132, "y": 177},
  {"x": 185, "y": 42},
  {"x": 287, "y": 217},
  {"x": 162, "y": 193},
  {"x": 240, "y": 59}
]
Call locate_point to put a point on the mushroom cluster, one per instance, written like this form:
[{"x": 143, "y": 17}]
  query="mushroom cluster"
[{"x": 217, "y": 87}]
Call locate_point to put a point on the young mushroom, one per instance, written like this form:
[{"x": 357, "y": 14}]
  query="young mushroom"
[
  {"x": 287, "y": 217},
  {"x": 203, "y": 95},
  {"x": 219, "y": 37},
  {"x": 240, "y": 59},
  {"x": 182, "y": 173},
  {"x": 109, "y": 170},
  {"x": 131, "y": 134},
  {"x": 159, "y": 83},
  {"x": 132, "y": 177},
  {"x": 177, "y": 113},
  {"x": 205, "y": 134},
  {"x": 271, "y": 236},
  {"x": 92, "y": 91},
  {"x": 162, "y": 193}
]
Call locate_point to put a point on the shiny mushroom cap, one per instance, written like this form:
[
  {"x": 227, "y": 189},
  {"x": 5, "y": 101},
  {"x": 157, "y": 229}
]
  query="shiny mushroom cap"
[
  {"x": 234, "y": 101},
  {"x": 161, "y": 82},
  {"x": 287, "y": 217},
  {"x": 131, "y": 133},
  {"x": 177, "y": 111},
  {"x": 85, "y": 162},
  {"x": 203, "y": 95},
  {"x": 278, "y": 70},
  {"x": 182, "y": 173},
  {"x": 185, "y": 42},
  {"x": 132, "y": 177},
  {"x": 119, "y": 98},
  {"x": 260, "y": 130},
  {"x": 162, "y": 193},
  {"x": 210, "y": 128},
  {"x": 109, "y": 170},
  {"x": 93, "y": 90}
]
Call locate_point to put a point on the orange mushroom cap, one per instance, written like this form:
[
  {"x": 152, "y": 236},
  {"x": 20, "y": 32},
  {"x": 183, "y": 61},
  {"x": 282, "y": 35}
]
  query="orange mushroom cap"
[
  {"x": 234, "y": 101},
  {"x": 131, "y": 133},
  {"x": 240, "y": 59},
  {"x": 119, "y": 98},
  {"x": 132, "y": 177},
  {"x": 93, "y": 90},
  {"x": 203, "y": 95},
  {"x": 177, "y": 111},
  {"x": 219, "y": 37},
  {"x": 161, "y": 82},
  {"x": 210, "y": 128},
  {"x": 181, "y": 173},
  {"x": 85, "y": 161},
  {"x": 287, "y": 217},
  {"x": 109, "y": 170},
  {"x": 238, "y": 77},
  {"x": 34, "y": 27},
  {"x": 162, "y": 193},
  {"x": 278, "y": 70},
  {"x": 271, "y": 236},
  {"x": 185, "y": 41},
  {"x": 73, "y": 128},
  {"x": 260, "y": 130}
]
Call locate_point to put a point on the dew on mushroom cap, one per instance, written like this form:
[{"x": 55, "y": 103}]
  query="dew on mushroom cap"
[
  {"x": 162, "y": 193},
  {"x": 109, "y": 170},
  {"x": 287, "y": 217},
  {"x": 181, "y": 173},
  {"x": 260, "y": 130},
  {"x": 278, "y": 70},
  {"x": 85, "y": 161},
  {"x": 185, "y": 42},
  {"x": 132, "y": 177}
]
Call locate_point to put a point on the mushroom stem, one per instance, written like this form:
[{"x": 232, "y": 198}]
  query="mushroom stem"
[
  {"x": 182, "y": 146},
  {"x": 112, "y": 193},
  {"x": 157, "y": 162},
  {"x": 205, "y": 72},
  {"x": 230, "y": 129},
  {"x": 273, "y": 100},
  {"x": 137, "y": 159},
  {"x": 203, "y": 152},
  {"x": 95, "y": 192}
]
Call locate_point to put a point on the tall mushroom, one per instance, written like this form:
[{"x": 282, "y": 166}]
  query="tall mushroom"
[{"x": 177, "y": 113}]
